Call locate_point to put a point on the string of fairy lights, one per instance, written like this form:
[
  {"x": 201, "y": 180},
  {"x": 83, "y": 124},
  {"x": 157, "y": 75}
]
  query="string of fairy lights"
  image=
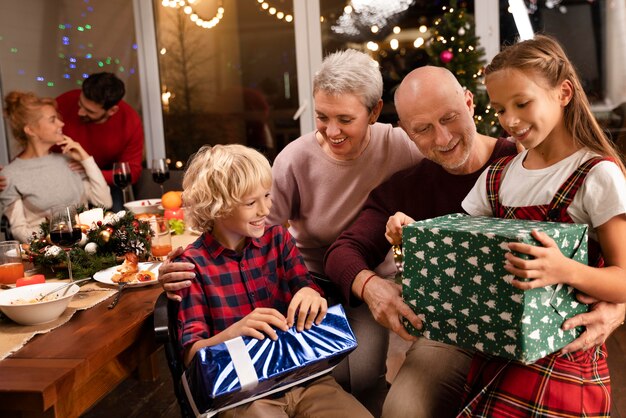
[
  {"x": 273, "y": 11},
  {"x": 188, "y": 8},
  {"x": 192, "y": 13}
]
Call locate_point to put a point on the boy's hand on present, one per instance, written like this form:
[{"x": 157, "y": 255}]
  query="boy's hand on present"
[
  {"x": 175, "y": 276},
  {"x": 547, "y": 264},
  {"x": 602, "y": 319},
  {"x": 309, "y": 306},
  {"x": 395, "y": 223},
  {"x": 257, "y": 324},
  {"x": 384, "y": 299}
]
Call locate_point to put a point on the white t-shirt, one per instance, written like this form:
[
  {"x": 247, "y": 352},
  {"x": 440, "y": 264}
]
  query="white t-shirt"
[{"x": 601, "y": 197}]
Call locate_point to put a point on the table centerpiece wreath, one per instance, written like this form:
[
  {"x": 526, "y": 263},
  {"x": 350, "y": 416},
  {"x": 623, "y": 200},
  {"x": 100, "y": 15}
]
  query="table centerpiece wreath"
[{"x": 106, "y": 238}]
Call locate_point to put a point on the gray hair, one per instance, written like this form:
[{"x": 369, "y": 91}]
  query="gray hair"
[{"x": 351, "y": 72}]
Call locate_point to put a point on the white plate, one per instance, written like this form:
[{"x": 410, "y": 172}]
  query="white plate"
[{"x": 104, "y": 276}]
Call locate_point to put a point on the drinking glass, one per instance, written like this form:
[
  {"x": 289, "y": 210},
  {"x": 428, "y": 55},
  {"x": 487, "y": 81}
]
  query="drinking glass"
[
  {"x": 11, "y": 267},
  {"x": 65, "y": 230},
  {"x": 160, "y": 172},
  {"x": 121, "y": 177},
  {"x": 162, "y": 239}
]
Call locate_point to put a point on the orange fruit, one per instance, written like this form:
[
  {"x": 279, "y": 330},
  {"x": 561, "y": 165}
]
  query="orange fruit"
[{"x": 172, "y": 200}]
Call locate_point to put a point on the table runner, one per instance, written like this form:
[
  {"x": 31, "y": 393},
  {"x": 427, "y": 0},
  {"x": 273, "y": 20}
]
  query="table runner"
[{"x": 14, "y": 336}]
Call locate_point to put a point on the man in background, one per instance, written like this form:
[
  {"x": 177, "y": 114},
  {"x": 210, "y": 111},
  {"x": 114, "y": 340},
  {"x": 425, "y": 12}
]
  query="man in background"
[{"x": 105, "y": 125}]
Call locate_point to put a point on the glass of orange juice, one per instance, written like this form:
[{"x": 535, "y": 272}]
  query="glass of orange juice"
[
  {"x": 11, "y": 267},
  {"x": 162, "y": 238}
]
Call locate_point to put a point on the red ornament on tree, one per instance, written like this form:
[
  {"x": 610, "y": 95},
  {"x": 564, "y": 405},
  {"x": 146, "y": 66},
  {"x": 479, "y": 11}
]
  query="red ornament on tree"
[{"x": 446, "y": 56}]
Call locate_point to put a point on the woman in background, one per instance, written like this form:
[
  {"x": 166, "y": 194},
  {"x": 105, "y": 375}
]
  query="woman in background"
[{"x": 38, "y": 179}]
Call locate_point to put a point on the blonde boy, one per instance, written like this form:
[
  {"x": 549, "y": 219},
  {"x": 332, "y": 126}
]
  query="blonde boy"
[{"x": 248, "y": 275}]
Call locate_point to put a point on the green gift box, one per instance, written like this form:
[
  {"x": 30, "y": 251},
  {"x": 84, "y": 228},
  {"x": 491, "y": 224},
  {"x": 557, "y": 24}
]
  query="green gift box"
[{"x": 454, "y": 279}]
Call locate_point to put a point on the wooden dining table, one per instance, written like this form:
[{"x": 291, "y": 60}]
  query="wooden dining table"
[{"x": 66, "y": 371}]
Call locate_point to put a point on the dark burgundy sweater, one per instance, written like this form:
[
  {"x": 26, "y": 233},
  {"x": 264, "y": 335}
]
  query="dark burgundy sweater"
[{"x": 422, "y": 192}]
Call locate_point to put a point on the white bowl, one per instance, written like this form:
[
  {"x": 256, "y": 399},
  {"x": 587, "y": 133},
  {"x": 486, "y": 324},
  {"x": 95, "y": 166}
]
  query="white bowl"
[
  {"x": 144, "y": 206},
  {"x": 38, "y": 312}
]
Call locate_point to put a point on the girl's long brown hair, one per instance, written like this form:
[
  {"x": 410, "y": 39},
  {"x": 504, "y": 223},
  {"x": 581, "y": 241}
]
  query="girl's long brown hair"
[{"x": 545, "y": 57}]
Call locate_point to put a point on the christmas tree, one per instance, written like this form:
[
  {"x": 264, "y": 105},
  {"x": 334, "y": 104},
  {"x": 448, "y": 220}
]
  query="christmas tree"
[{"x": 454, "y": 45}]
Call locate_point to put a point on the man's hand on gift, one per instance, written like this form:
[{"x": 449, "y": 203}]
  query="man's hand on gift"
[
  {"x": 309, "y": 306},
  {"x": 394, "y": 226},
  {"x": 602, "y": 319},
  {"x": 175, "y": 276},
  {"x": 384, "y": 299},
  {"x": 547, "y": 264}
]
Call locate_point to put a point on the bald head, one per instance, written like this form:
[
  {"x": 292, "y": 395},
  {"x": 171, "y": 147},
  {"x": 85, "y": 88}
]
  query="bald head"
[
  {"x": 424, "y": 83},
  {"x": 437, "y": 114}
]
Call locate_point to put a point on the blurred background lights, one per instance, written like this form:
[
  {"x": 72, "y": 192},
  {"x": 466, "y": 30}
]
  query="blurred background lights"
[
  {"x": 368, "y": 13},
  {"x": 372, "y": 46}
]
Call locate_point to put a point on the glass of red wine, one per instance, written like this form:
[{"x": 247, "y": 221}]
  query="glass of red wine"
[
  {"x": 65, "y": 230},
  {"x": 160, "y": 172},
  {"x": 121, "y": 176}
]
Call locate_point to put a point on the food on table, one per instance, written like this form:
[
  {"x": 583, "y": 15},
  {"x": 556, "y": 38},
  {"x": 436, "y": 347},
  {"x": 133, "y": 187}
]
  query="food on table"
[
  {"x": 172, "y": 200},
  {"x": 128, "y": 271},
  {"x": 130, "y": 264},
  {"x": 144, "y": 216},
  {"x": 174, "y": 214},
  {"x": 140, "y": 276},
  {"x": 22, "y": 301},
  {"x": 177, "y": 226},
  {"x": 34, "y": 279}
]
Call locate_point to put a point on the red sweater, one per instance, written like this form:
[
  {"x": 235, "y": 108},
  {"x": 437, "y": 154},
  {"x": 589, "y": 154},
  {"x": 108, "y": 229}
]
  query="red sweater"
[
  {"x": 118, "y": 139},
  {"x": 422, "y": 192}
]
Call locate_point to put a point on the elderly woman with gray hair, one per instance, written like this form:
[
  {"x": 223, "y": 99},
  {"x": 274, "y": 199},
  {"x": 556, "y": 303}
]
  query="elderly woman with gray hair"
[{"x": 320, "y": 182}]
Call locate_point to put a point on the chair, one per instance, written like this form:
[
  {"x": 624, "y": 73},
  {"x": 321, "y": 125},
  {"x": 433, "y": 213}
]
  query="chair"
[
  {"x": 5, "y": 228},
  {"x": 165, "y": 312}
]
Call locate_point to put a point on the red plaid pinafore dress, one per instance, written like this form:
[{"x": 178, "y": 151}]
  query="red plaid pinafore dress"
[{"x": 572, "y": 385}]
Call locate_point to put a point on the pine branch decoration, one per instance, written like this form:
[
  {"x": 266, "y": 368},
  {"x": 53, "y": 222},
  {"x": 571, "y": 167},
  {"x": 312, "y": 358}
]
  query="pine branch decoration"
[{"x": 103, "y": 245}]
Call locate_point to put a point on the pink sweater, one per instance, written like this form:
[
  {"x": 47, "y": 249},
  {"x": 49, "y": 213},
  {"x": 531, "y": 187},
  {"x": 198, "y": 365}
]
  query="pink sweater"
[{"x": 321, "y": 196}]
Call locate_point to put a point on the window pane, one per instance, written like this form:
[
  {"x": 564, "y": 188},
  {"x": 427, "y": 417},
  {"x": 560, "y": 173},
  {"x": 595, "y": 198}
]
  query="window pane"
[
  {"x": 232, "y": 83},
  {"x": 394, "y": 32},
  {"x": 50, "y": 46},
  {"x": 578, "y": 25}
]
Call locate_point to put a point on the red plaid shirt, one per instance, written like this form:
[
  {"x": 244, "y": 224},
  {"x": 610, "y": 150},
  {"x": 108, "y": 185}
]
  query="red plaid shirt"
[{"x": 228, "y": 286}]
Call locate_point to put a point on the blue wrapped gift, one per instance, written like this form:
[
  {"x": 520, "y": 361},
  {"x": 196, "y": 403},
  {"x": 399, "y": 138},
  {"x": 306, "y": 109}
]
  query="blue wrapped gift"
[{"x": 244, "y": 369}]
